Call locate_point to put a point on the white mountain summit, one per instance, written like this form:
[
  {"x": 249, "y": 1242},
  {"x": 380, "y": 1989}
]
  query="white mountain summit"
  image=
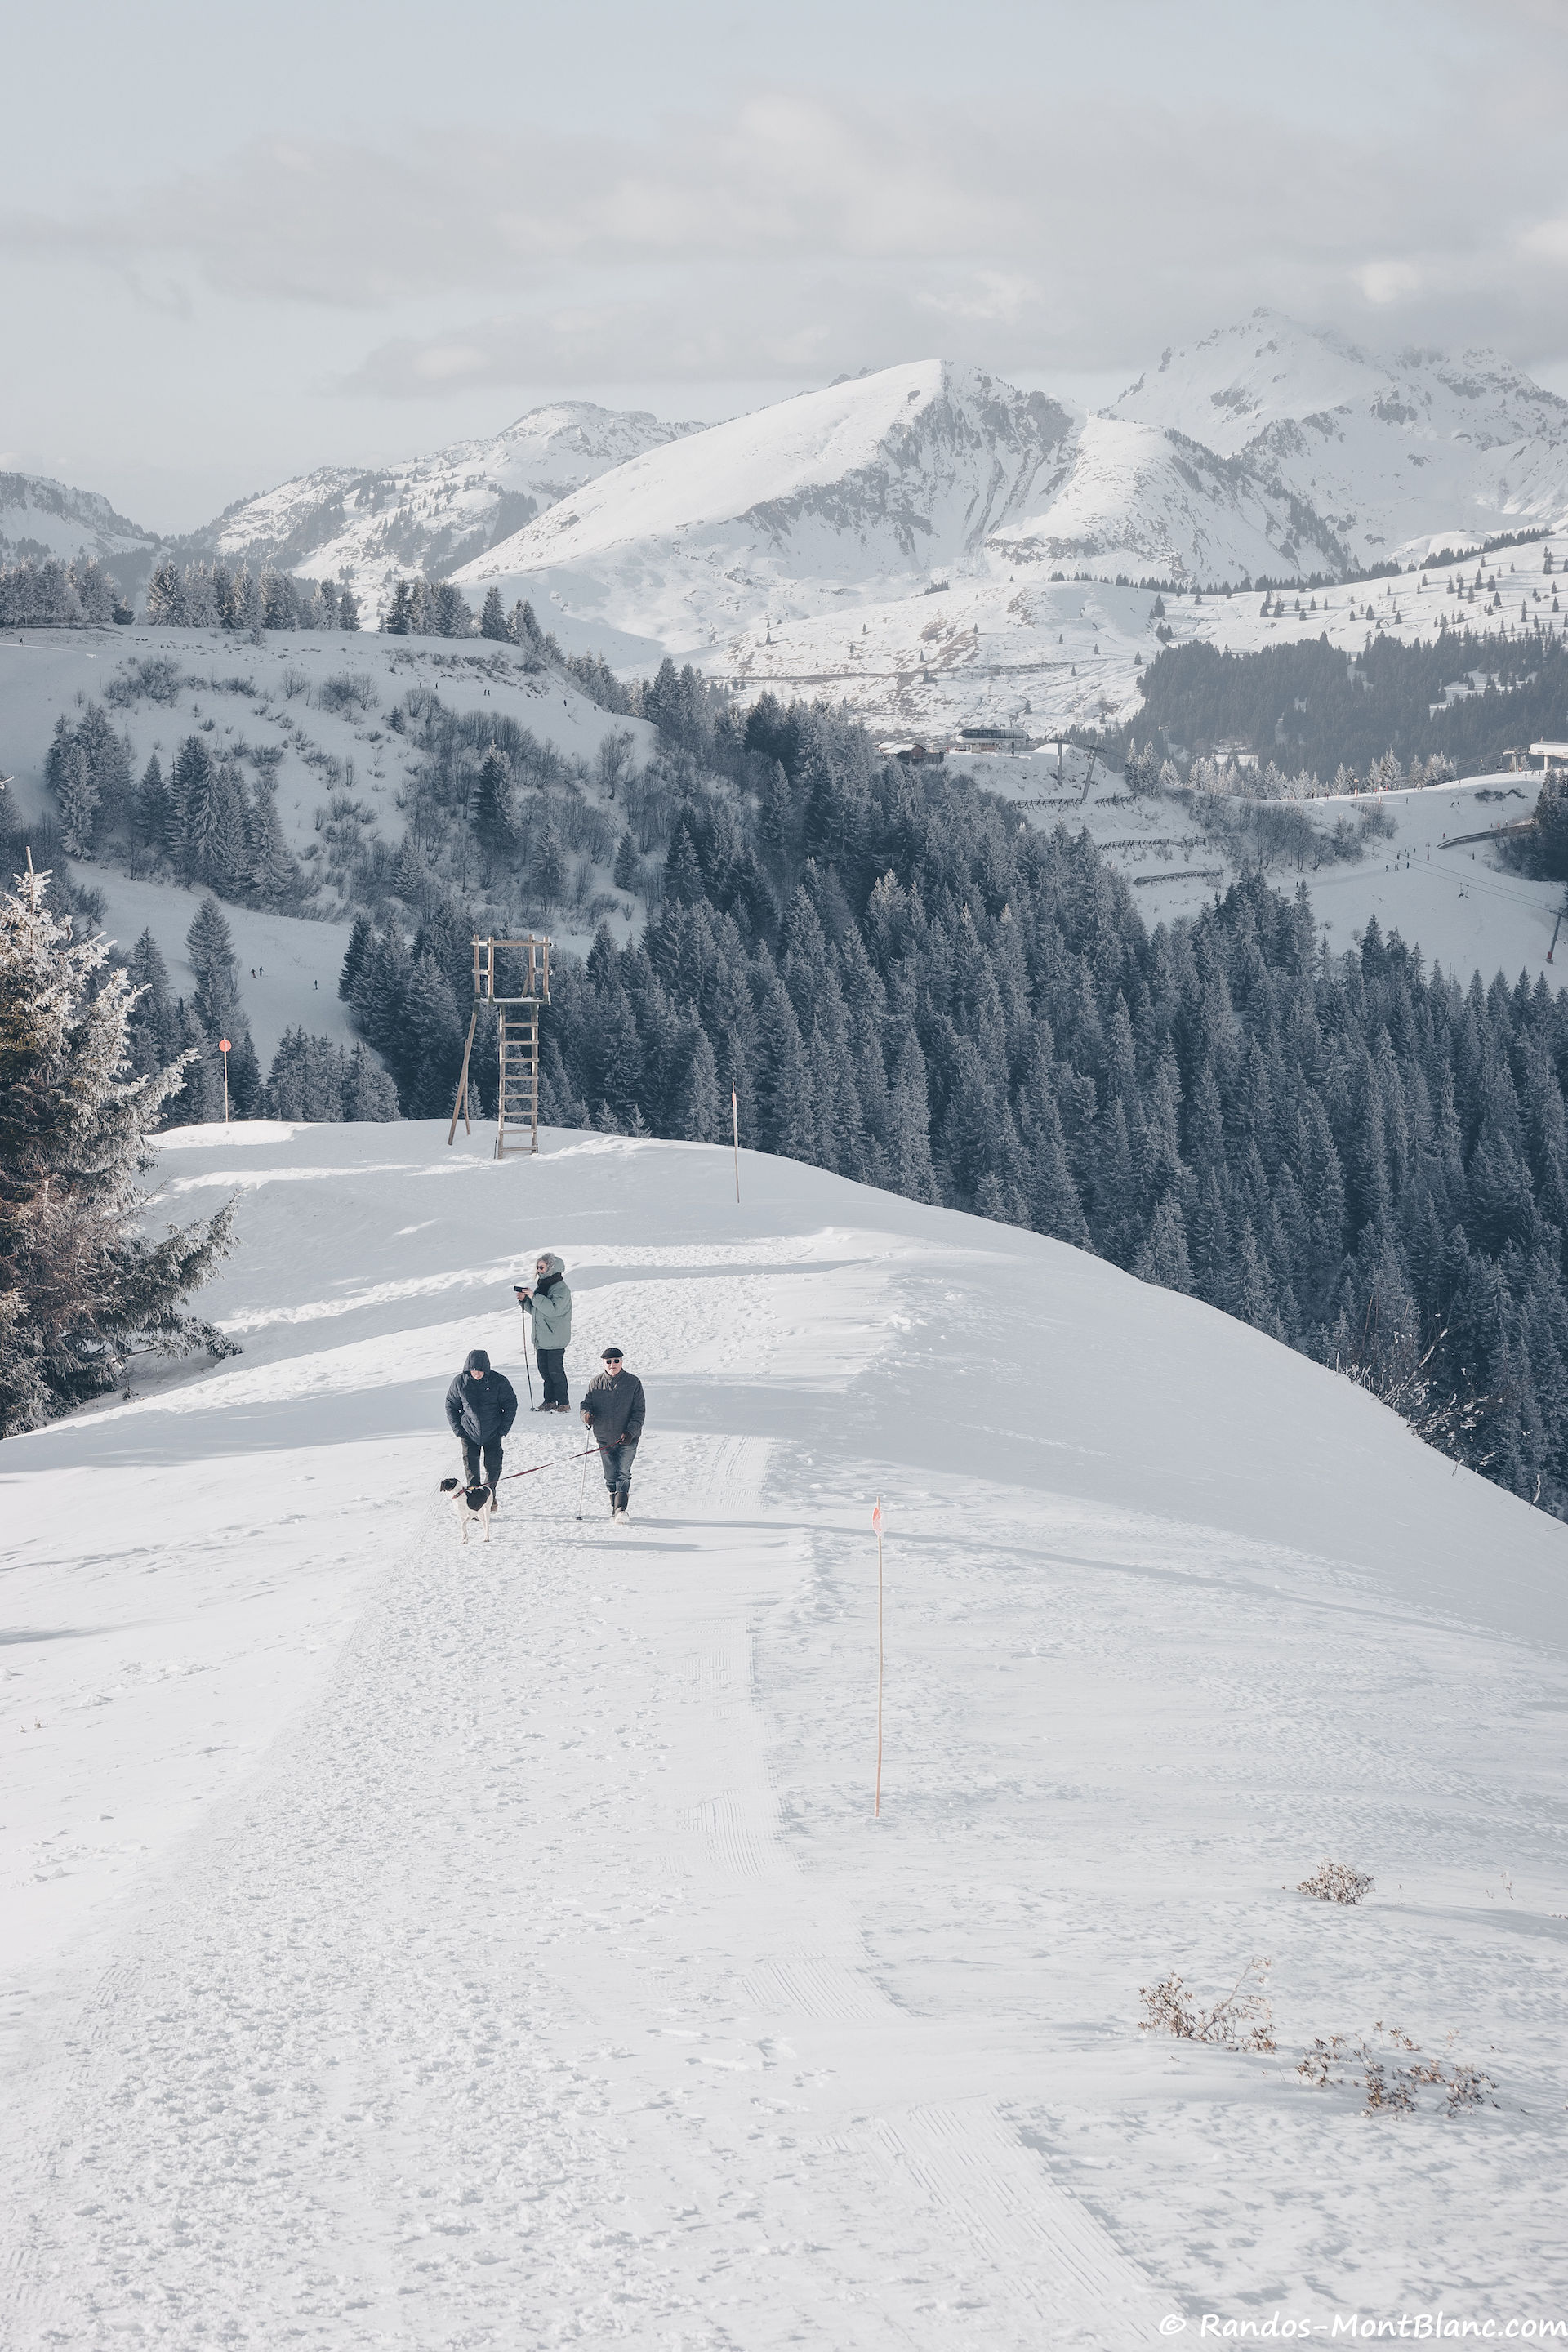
[{"x": 871, "y": 485}]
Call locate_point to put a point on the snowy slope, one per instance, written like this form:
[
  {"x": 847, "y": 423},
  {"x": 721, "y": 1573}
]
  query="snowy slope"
[
  {"x": 883, "y": 476},
  {"x": 432, "y": 514},
  {"x": 418, "y": 1946},
  {"x": 1387, "y": 448},
  {"x": 40, "y": 517},
  {"x": 1158, "y": 505}
]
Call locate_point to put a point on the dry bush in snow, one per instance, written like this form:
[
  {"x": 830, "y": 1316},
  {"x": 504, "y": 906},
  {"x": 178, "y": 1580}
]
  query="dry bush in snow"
[
  {"x": 1240, "y": 2019},
  {"x": 1392, "y": 2069},
  {"x": 1336, "y": 1882}
]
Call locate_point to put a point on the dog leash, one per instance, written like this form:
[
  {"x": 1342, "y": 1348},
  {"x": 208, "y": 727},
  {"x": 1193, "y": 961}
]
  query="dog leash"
[{"x": 560, "y": 1461}]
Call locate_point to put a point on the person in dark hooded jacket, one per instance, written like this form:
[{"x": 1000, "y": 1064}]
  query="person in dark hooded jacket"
[{"x": 481, "y": 1406}]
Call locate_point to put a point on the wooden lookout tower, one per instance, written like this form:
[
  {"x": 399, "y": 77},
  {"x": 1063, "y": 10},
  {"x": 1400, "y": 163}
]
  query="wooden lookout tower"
[{"x": 517, "y": 1039}]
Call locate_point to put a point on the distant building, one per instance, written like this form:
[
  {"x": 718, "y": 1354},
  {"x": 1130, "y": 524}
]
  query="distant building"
[
  {"x": 1551, "y": 755},
  {"x": 994, "y": 738}
]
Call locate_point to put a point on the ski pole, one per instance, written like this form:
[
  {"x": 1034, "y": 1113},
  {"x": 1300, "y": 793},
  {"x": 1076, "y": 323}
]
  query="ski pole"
[
  {"x": 582, "y": 1492},
  {"x": 527, "y": 1367}
]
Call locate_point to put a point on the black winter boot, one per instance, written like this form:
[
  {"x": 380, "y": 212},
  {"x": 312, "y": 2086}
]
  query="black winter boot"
[{"x": 623, "y": 1498}]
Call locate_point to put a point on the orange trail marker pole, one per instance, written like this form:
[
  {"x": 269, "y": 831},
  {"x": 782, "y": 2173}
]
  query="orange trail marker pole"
[
  {"x": 223, "y": 1046},
  {"x": 735, "y": 1125},
  {"x": 877, "y": 1523}
]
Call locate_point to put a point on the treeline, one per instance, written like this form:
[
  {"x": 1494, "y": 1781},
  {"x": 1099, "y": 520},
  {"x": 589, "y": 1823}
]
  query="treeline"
[
  {"x": 1365, "y": 1159},
  {"x": 46, "y": 593},
  {"x": 1261, "y": 780},
  {"x": 200, "y": 823},
  {"x": 1309, "y": 706},
  {"x": 221, "y": 596}
]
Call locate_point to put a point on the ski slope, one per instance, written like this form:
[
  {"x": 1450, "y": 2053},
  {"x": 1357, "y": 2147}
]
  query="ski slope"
[{"x": 427, "y": 1947}]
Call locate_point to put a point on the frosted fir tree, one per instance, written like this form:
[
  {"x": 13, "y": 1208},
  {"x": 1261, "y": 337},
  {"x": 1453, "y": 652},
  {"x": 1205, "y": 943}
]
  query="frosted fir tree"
[
  {"x": 82, "y": 1289},
  {"x": 348, "y": 610},
  {"x": 368, "y": 1092},
  {"x": 209, "y": 943},
  {"x": 703, "y": 1117},
  {"x": 69, "y": 778},
  {"x": 274, "y": 870},
  {"x": 492, "y": 620}
]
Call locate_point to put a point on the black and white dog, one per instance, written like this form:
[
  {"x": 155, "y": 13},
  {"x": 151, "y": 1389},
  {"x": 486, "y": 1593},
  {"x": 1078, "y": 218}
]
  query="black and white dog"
[{"x": 473, "y": 1506}]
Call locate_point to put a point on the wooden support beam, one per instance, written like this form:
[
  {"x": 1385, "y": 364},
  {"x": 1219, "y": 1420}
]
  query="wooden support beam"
[{"x": 462, "y": 1103}]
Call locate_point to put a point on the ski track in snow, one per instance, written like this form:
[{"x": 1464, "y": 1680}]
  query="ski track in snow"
[{"x": 536, "y": 1974}]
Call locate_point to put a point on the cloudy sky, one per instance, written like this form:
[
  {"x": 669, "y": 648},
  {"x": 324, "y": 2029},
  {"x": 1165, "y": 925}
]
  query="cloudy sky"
[{"x": 236, "y": 243}]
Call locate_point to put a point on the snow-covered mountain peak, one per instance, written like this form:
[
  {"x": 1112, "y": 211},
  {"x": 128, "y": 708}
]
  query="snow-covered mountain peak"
[
  {"x": 1231, "y": 385},
  {"x": 852, "y": 454}
]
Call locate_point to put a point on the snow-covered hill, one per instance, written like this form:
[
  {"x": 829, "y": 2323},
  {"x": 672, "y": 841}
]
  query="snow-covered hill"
[
  {"x": 434, "y": 513},
  {"x": 40, "y": 517},
  {"x": 416, "y": 1944},
  {"x": 342, "y": 771},
  {"x": 1388, "y": 450}
]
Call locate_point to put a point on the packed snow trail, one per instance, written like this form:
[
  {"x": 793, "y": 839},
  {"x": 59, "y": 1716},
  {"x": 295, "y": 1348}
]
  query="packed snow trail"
[{"x": 526, "y": 1968}]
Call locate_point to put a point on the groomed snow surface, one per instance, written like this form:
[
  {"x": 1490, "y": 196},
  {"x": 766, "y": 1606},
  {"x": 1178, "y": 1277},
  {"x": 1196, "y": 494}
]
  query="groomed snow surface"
[{"x": 424, "y": 1947}]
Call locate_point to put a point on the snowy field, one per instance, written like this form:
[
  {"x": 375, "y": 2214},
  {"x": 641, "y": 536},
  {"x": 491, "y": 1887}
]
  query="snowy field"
[{"x": 419, "y": 1947}]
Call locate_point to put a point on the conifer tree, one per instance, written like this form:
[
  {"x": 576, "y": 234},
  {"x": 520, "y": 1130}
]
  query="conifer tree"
[
  {"x": 492, "y": 620},
  {"x": 151, "y": 821},
  {"x": 81, "y": 1290},
  {"x": 209, "y": 944}
]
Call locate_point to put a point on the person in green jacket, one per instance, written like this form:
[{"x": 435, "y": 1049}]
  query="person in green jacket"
[{"x": 550, "y": 1303}]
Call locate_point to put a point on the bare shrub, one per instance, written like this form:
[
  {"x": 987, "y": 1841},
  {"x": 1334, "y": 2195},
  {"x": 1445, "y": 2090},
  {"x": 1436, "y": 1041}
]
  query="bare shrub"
[
  {"x": 1240, "y": 2019},
  {"x": 1336, "y": 1882},
  {"x": 350, "y": 690},
  {"x": 157, "y": 677},
  {"x": 1392, "y": 2071},
  {"x": 294, "y": 682}
]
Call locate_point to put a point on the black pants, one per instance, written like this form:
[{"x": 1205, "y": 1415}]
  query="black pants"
[
  {"x": 616, "y": 1461},
  {"x": 552, "y": 1362},
  {"x": 492, "y": 1461}
]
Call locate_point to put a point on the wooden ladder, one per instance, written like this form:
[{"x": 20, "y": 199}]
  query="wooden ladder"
[{"x": 518, "y": 1096}]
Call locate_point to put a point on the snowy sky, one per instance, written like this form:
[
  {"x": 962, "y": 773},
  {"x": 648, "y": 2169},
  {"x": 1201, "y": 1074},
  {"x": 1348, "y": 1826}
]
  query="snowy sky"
[{"x": 237, "y": 244}]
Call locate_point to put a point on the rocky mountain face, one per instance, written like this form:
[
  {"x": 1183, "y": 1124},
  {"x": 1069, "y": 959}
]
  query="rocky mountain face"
[{"x": 1387, "y": 454}]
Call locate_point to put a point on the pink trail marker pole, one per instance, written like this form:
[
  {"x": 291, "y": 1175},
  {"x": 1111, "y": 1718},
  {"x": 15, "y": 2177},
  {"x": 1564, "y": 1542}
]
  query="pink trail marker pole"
[
  {"x": 735, "y": 1126},
  {"x": 223, "y": 1046}
]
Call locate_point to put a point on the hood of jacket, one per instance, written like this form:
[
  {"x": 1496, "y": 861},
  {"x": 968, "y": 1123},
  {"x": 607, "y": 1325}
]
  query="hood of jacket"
[
  {"x": 553, "y": 1266},
  {"x": 476, "y": 1360}
]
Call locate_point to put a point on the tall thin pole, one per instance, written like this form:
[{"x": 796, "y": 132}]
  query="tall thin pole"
[
  {"x": 223, "y": 1049},
  {"x": 877, "y": 1523},
  {"x": 735, "y": 1125}
]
